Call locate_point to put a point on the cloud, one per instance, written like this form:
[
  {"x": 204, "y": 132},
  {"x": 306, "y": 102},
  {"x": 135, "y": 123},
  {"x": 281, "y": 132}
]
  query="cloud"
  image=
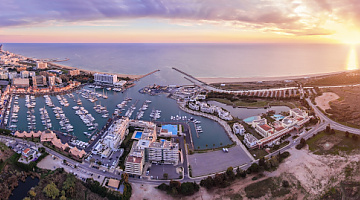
[{"x": 276, "y": 15}]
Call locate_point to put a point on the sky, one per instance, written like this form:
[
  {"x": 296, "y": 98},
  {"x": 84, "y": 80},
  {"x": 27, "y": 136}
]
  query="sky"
[{"x": 180, "y": 21}]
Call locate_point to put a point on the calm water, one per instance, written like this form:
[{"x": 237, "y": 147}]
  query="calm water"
[
  {"x": 23, "y": 188},
  {"x": 213, "y": 133},
  {"x": 202, "y": 60}
]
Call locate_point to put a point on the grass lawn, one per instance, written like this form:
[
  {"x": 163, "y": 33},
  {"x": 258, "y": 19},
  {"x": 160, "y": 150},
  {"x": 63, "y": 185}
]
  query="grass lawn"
[{"x": 326, "y": 143}]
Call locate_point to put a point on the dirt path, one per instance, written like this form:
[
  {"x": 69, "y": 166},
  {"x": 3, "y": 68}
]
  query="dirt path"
[{"x": 323, "y": 100}]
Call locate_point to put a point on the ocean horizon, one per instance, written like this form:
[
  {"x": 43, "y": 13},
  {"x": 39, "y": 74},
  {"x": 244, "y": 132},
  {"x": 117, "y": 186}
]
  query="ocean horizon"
[{"x": 208, "y": 60}]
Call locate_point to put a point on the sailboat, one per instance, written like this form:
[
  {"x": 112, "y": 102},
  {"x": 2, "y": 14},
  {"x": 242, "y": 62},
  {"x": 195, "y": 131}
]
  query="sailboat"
[{"x": 104, "y": 96}]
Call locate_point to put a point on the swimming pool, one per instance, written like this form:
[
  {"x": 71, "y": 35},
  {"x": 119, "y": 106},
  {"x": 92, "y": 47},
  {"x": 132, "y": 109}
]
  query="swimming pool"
[
  {"x": 171, "y": 128},
  {"x": 277, "y": 117},
  {"x": 138, "y": 135},
  {"x": 251, "y": 119}
]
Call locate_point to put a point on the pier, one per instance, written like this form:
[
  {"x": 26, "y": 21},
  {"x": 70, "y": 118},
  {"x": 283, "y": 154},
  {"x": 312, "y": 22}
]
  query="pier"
[
  {"x": 148, "y": 74},
  {"x": 186, "y": 74}
]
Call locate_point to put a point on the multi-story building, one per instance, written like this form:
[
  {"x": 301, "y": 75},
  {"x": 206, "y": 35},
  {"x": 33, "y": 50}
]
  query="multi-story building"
[
  {"x": 51, "y": 80},
  {"x": 238, "y": 129},
  {"x": 134, "y": 163},
  {"x": 262, "y": 127},
  {"x": 74, "y": 72},
  {"x": 20, "y": 82},
  {"x": 39, "y": 81},
  {"x": 4, "y": 75},
  {"x": 164, "y": 151},
  {"x": 24, "y": 74},
  {"x": 41, "y": 65},
  {"x": 250, "y": 140},
  {"x": 105, "y": 78},
  {"x": 12, "y": 75}
]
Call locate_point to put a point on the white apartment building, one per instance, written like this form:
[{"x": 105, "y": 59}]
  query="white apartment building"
[
  {"x": 52, "y": 80},
  {"x": 164, "y": 151},
  {"x": 105, "y": 78},
  {"x": 41, "y": 65},
  {"x": 24, "y": 74},
  {"x": 238, "y": 129},
  {"x": 12, "y": 75},
  {"x": 250, "y": 140},
  {"x": 4, "y": 75},
  {"x": 134, "y": 163}
]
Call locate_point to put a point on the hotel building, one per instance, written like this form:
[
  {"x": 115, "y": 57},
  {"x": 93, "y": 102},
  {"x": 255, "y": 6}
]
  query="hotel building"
[{"x": 105, "y": 78}]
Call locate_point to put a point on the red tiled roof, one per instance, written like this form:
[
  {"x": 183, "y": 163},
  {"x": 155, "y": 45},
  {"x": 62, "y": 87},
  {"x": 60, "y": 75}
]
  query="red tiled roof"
[
  {"x": 279, "y": 128},
  {"x": 265, "y": 127},
  {"x": 26, "y": 150}
]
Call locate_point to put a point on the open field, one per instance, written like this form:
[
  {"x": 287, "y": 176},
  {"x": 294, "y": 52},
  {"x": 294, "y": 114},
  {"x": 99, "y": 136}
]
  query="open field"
[
  {"x": 346, "y": 109},
  {"x": 324, "y": 100},
  {"x": 334, "y": 144},
  {"x": 255, "y": 103}
]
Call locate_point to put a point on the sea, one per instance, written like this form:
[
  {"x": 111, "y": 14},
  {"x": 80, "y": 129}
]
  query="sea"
[{"x": 200, "y": 60}]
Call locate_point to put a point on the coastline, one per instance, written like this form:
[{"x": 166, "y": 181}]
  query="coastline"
[
  {"x": 212, "y": 80},
  {"x": 131, "y": 76}
]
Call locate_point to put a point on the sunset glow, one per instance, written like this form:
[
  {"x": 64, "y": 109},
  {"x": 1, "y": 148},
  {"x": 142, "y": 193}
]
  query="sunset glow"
[
  {"x": 283, "y": 21},
  {"x": 352, "y": 62}
]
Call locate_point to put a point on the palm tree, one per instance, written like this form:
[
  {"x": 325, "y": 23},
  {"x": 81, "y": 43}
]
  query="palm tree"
[
  {"x": 220, "y": 143},
  {"x": 206, "y": 145},
  {"x": 213, "y": 145},
  {"x": 198, "y": 147}
]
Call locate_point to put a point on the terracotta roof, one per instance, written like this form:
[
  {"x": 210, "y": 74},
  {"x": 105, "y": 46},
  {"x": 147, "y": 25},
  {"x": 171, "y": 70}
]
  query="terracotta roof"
[
  {"x": 279, "y": 128},
  {"x": 76, "y": 152},
  {"x": 26, "y": 150},
  {"x": 265, "y": 127}
]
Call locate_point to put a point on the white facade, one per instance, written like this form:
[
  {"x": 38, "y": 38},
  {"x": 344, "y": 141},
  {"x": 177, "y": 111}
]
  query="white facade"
[
  {"x": 105, "y": 78},
  {"x": 12, "y": 75},
  {"x": 238, "y": 129},
  {"x": 164, "y": 151},
  {"x": 41, "y": 65},
  {"x": 250, "y": 140},
  {"x": 51, "y": 80},
  {"x": 135, "y": 163},
  {"x": 24, "y": 74}
]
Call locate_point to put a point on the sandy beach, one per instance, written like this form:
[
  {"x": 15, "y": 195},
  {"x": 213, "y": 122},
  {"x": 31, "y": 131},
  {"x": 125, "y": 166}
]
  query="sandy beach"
[
  {"x": 211, "y": 80},
  {"x": 131, "y": 76}
]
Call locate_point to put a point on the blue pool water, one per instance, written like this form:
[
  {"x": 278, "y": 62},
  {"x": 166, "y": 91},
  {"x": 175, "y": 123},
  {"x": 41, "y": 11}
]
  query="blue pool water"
[
  {"x": 138, "y": 134},
  {"x": 251, "y": 119},
  {"x": 277, "y": 117},
  {"x": 171, "y": 128}
]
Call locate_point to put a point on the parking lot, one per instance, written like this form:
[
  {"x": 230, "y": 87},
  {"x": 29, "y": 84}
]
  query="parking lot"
[
  {"x": 112, "y": 160},
  {"x": 216, "y": 161},
  {"x": 157, "y": 171}
]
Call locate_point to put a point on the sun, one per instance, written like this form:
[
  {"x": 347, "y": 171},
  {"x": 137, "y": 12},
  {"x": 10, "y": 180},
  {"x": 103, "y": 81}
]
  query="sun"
[{"x": 349, "y": 37}]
